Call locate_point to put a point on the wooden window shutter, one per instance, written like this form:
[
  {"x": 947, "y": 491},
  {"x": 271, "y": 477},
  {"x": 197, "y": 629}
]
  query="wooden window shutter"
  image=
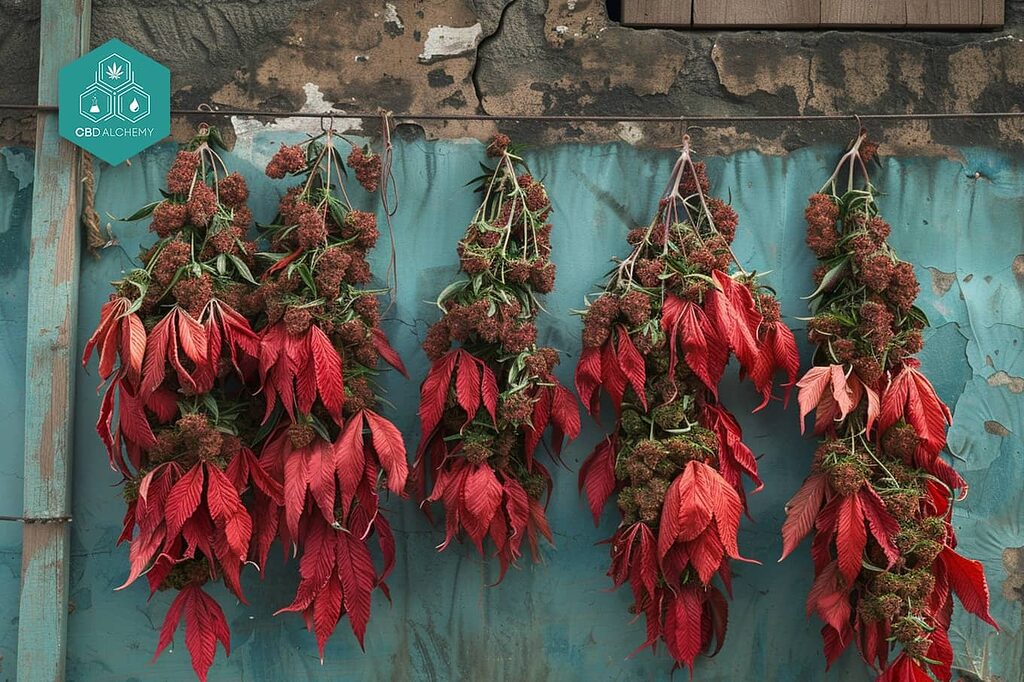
[{"x": 880, "y": 14}]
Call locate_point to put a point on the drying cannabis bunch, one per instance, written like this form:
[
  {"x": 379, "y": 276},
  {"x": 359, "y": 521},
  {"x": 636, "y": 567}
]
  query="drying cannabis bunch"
[
  {"x": 211, "y": 479},
  {"x": 181, "y": 357},
  {"x": 657, "y": 340},
  {"x": 485, "y": 405},
  {"x": 879, "y": 497}
]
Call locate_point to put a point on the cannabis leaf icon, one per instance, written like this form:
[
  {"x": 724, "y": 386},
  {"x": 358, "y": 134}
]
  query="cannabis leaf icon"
[{"x": 114, "y": 72}]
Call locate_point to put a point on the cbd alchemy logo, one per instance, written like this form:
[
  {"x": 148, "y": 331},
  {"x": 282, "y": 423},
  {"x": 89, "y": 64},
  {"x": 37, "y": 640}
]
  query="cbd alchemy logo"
[{"x": 114, "y": 102}]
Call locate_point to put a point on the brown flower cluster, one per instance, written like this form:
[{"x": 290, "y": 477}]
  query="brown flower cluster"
[
  {"x": 366, "y": 166},
  {"x": 205, "y": 216},
  {"x": 855, "y": 251},
  {"x": 509, "y": 251},
  {"x": 289, "y": 159}
]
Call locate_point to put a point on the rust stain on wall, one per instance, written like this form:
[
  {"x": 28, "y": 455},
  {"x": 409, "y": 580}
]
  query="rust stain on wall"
[
  {"x": 1013, "y": 564},
  {"x": 996, "y": 429}
]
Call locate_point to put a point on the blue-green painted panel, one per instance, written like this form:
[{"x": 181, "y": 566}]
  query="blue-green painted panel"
[{"x": 556, "y": 620}]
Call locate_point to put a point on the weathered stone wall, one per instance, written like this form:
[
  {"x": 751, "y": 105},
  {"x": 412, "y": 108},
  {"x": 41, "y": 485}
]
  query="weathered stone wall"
[{"x": 554, "y": 56}]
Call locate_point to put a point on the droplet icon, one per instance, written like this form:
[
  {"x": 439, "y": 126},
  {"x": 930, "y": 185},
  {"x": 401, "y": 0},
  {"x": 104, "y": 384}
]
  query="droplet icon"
[{"x": 134, "y": 106}]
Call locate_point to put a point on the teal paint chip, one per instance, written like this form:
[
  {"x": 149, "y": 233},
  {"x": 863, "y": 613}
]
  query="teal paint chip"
[{"x": 114, "y": 102}]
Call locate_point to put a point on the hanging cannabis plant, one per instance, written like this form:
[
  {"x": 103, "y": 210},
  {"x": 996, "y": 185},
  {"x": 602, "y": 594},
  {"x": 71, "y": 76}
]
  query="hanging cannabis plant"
[
  {"x": 485, "y": 404},
  {"x": 879, "y": 498},
  {"x": 179, "y": 357},
  {"x": 320, "y": 347},
  {"x": 657, "y": 340},
  {"x": 177, "y": 345}
]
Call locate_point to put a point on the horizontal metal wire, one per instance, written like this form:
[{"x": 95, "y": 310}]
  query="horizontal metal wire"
[
  {"x": 574, "y": 118},
  {"x": 32, "y": 519}
]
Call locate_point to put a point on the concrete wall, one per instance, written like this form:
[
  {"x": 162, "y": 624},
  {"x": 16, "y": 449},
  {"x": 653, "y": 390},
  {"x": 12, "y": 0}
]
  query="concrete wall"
[
  {"x": 556, "y": 620},
  {"x": 549, "y": 56}
]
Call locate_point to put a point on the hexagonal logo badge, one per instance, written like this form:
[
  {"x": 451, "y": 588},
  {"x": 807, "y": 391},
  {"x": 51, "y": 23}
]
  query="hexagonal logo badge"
[{"x": 114, "y": 102}]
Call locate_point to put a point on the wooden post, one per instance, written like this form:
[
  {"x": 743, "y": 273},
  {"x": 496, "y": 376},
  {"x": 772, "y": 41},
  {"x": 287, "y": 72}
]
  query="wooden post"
[{"x": 50, "y": 358}]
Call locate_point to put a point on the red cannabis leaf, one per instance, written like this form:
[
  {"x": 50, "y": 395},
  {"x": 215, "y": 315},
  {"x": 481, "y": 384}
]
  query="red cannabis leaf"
[
  {"x": 910, "y": 397},
  {"x": 119, "y": 334},
  {"x": 967, "y": 578},
  {"x": 801, "y": 510},
  {"x": 205, "y": 625},
  {"x": 322, "y": 469},
  {"x": 337, "y": 578},
  {"x": 177, "y": 334},
  {"x": 905, "y": 669},
  {"x": 181, "y": 513},
  {"x": 434, "y": 391},
  {"x": 296, "y": 369},
  {"x": 732, "y": 308},
  {"x": 698, "y": 497},
  {"x": 631, "y": 365},
  {"x": 691, "y": 330},
  {"x": 588, "y": 379},
  {"x": 390, "y": 356},
  {"x": 778, "y": 351},
  {"x": 225, "y": 328},
  {"x": 597, "y": 476}
]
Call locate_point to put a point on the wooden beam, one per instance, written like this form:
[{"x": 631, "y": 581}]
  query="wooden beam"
[
  {"x": 656, "y": 12},
  {"x": 945, "y": 13},
  {"x": 866, "y": 13},
  {"x": 50, "y": 357},
  {"x": 738, "y": 13},
  {"x": 992, "y": 13}
]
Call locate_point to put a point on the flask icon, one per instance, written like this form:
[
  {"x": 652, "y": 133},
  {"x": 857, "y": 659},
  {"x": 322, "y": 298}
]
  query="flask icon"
[{"x": 95, "y": 108}]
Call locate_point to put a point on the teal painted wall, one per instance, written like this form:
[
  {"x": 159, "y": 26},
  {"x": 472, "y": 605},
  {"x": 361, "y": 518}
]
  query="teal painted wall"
[{"x": 556, "y": 620}]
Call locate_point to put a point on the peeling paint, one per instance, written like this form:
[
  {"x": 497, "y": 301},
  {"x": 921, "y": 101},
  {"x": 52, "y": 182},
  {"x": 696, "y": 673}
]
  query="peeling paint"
[
  {"x": 1012, "y": 383},
  {"x": 246, "y": 127},
  {"x": 630, "y": 133},
  {"x": 391, "y": 17},
  {"x": 1013, "y": 565},
  {"x": 941, "y": 281},
  {"x": 19, "y": 163},
  {"x": 448, "y": 41}
]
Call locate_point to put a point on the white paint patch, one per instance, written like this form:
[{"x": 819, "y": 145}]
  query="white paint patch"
[
  {"x": 391, "y": 15},
  {"x": 630, "y": 132},
  {"x": 247, "y": 127},
  {"x": 20, "y": 166},
  {"x": 572, "y": 5},
  {"x": 448, "y": 41},
  {"x": 560, "y": 30}
]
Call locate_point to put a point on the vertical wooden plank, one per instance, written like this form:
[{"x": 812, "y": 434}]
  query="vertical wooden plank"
[
  {"x": 944, "y": 13},
  {"x": 875, "y": 13},
  {"x": 738, "y": 13},
  {"x": 992, "y": 13},
  {"x": 50, "y": 352},
  {"x": 656, "y": 12}
]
